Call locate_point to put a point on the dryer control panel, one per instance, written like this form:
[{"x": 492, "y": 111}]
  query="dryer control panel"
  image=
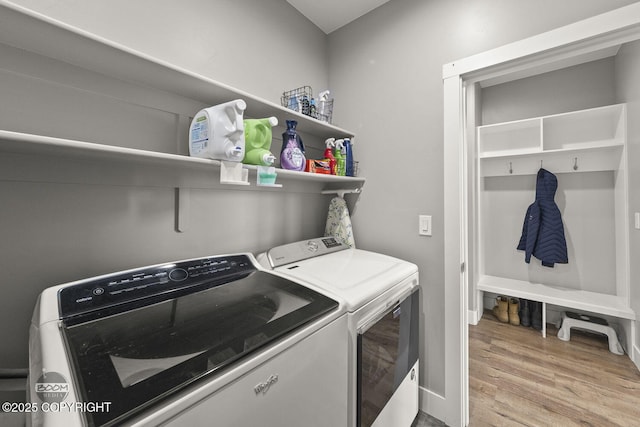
[
  {"x": 106, "y": 293},
  {"x": 294, "y": 252}
]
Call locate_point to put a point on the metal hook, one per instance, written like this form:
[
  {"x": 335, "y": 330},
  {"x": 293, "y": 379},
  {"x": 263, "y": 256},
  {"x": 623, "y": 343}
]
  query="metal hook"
[
  {"x": 540, "y": 164},
  {"x": 575, "y": 163},
  {"x": 510, "y": 168}
]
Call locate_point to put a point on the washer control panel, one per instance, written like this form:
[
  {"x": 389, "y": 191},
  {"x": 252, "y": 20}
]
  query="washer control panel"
[
  {"x": 119, "y": 288},
  {"x": 304, "y": 249}
]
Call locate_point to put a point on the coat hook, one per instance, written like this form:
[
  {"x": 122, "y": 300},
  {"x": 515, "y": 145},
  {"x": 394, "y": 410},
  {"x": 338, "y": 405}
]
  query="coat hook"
[
  {"x": 575, "y": 163},
  {"x": 540, "y": 164},
  {"x": 510, "y": 168}
]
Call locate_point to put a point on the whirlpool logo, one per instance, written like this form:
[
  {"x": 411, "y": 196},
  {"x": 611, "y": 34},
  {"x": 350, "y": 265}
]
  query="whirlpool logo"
[
  {"x": 265, "y": 386},
  {"x": 52, "y": 387}
]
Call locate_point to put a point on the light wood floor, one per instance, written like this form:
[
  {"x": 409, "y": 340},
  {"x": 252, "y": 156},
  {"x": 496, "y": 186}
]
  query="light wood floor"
[{"x": 518, "y": 378}]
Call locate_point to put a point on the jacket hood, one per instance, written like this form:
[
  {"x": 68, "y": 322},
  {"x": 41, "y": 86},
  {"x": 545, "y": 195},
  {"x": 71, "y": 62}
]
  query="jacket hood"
[{"x": 546, "y": 184}]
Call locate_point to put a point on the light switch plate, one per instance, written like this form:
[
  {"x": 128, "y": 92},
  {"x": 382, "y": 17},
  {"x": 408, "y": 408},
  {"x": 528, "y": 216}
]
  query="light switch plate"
[
  {"x": 637, "y": 220},
  {"x": 424, "y": 225}
]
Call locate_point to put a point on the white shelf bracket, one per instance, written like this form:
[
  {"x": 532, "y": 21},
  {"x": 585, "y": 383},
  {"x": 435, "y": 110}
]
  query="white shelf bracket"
[
  {"x": 233, "y": 173},
  {"x": 342, "y": 191}
]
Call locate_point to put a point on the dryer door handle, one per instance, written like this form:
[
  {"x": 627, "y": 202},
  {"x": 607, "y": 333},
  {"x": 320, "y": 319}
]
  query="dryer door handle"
[{"x": 392, "y": 305}]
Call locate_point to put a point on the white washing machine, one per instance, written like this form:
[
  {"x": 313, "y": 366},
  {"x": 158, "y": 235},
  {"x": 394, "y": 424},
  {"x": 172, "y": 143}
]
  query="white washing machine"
[
  {"x": 209, "y": 341},
  {"x": 381, "y": 297}
]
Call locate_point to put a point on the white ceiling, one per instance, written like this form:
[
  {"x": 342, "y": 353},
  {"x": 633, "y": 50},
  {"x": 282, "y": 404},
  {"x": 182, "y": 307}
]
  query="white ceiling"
[{"x": 329, "y": 15}]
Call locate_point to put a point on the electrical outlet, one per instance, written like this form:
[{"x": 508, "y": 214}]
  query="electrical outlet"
[{"x": 424, "y": 225}]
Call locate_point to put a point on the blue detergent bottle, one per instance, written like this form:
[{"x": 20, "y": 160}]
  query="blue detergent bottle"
[{"x": 348, "y": 149}]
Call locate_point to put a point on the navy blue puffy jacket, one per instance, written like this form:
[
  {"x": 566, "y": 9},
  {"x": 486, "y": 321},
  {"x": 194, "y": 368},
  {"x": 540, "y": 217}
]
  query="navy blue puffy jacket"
[{"x": 543, "y": 232}]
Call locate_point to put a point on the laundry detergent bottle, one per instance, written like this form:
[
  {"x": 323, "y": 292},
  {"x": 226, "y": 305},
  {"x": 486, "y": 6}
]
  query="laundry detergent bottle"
[
  {"x": 292, "y": 153},
  {"x": 218, "y": 132},
  {"x": 257, "y": 137}
]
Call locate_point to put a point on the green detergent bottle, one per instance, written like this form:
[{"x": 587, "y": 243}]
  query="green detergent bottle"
[
  {"x": 257, "y": 137},
  {"x": 341, "y": 166}
]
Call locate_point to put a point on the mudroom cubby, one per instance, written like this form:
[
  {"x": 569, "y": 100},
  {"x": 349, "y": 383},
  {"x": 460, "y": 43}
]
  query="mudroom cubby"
[{"x": 586, "y": 150}]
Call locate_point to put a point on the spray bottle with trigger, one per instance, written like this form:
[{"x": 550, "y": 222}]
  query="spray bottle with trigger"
[
  {"x": 321, "y": 108},
  {"x": 339, "y": 156},
  {"x": 328, "y": 154}
]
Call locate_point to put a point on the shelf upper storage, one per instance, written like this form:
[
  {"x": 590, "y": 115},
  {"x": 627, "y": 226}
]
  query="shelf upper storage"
[
  {"x": 592, "y": 128},
  {"x": 522, "y": 137},
  {"x": 25, "y": 29},
  {"x": 585, "y": 140},
  {"x": 69, "y": 61}
]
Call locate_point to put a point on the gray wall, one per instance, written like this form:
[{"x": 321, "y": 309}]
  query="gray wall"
[
  {"x": 386, "y": 74},
  {"x": 586, "y": 202},
  {"x": 261, "y": 47},
  {"x": 574, "y": 88}
]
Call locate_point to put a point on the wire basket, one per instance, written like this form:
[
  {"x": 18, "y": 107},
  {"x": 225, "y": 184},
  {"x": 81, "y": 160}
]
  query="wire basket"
[
  {"x": 301, "y": 100},
  {"x": 324, "y": 112}
]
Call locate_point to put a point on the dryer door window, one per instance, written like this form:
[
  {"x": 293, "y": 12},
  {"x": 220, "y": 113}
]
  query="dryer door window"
[{"x": 387, "y": 351}]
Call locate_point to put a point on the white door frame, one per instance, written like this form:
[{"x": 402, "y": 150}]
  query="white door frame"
[{"x": 587, "y": 40}]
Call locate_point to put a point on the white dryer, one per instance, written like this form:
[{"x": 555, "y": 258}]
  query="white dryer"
[{"x": 381, "y": 297}]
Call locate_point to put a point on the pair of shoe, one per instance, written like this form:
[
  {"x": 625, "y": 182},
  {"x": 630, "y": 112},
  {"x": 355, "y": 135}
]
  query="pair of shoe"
[
  {"x": 506, "y": 310},
  {"x": 531, "y": 314}
]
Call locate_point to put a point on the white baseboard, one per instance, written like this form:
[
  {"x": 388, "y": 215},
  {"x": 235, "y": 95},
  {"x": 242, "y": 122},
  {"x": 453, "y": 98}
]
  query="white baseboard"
[
  {"x": 432, "y": 404},
  {"x": 473, "y": 316},
  {"x": 635, "y": 357}
]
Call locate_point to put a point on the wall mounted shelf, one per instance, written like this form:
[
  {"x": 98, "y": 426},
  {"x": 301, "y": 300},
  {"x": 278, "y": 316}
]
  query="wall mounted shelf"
[
  {"x": 40, "y": 158},
  {"x": 44, "y": 49}
]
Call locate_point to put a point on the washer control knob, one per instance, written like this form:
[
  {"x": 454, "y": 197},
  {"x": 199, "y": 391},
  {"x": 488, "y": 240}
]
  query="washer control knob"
[
  {"x": 178, "y": 274},
  {"x": 312, "y": 246}
]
